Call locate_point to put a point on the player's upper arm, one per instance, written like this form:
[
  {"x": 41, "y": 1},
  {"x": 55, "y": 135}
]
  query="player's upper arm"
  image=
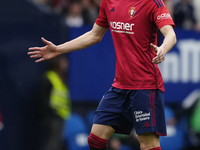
[
  {"x": 167, "y": 29},
  {"x": 159, "y": 14},
  {"x": 169, "y": 34},
  {"x": 98, "y": 32}
]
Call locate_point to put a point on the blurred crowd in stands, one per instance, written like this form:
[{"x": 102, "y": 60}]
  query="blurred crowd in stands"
[{"x": 76, "y": 13}]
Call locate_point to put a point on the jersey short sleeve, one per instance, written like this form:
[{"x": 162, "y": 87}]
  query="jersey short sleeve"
[
  {"x": 159, "y": 14},
  {"x": 102, "y": 18}
]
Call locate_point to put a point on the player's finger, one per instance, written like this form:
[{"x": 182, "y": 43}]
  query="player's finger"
[
  {"x": 35, "y": 56},
  {"x": 158, "y": 60},
  {"x": 33, "y": 53},
  {"x": 39, "y": 60},
  {"x": 34, "y": 49},
  {"x": 155, "y": 59},
  {"x": 154, "y": 47},
  {"x": 45, "y": 41}
]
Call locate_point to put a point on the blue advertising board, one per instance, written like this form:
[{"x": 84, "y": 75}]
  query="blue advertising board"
[
  {"x": 92, "y": 70},
  {"x": 181, "y": 68}
]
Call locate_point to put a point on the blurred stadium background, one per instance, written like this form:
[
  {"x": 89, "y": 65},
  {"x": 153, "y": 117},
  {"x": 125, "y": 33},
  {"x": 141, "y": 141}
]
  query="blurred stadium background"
[{"x": 91, "y": 73}]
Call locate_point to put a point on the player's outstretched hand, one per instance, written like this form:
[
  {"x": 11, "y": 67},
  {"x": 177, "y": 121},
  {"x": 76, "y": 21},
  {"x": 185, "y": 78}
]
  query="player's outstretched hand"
[
  {"x": 43, "y": 53},
  {"x": 160, "y": 54}
]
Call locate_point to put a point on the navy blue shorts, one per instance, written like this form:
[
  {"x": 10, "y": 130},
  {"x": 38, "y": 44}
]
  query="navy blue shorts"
[{"x": 125, "y": 109}]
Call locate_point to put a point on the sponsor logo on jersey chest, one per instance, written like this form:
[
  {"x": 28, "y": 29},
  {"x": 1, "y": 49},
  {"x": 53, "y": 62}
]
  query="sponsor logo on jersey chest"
[{"x": 121, "y": 27}]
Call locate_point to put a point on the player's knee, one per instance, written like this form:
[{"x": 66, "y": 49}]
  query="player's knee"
[
  {"x": 148, "y": 141},
  {"x": 144, "y": 145},
  {"x": 102, "y": 131},
  {"x": 96, "y": 142}
]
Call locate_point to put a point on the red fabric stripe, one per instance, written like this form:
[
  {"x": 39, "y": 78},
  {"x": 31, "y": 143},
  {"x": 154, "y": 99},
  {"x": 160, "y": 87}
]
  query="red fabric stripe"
[
  {"x": 152, "y": 106},
  {"x": 161, "y": 134},
  {"x": 97, "y": 142},
  {"x": 156, "y": 3},
  {"x": 156, "y": 148},
  {"x": 159, "y": 2},
  {"x": 98, "y": 138},
  {"x": 150, "y": 98},
  {"x": 162, "y": 4},
  {"x": 153, "y": 97},
  {"x": 93, "y": 142},
  {"x": 150, "y": 103}
]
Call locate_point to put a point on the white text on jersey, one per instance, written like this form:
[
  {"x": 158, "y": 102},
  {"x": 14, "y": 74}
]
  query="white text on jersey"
[
  {"x": 164, "y": 16},
  {"x": 122, "y": 27}
]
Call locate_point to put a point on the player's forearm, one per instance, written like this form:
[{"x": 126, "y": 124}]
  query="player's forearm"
[
  {"x": 81, "y": 42},
  {"x": 169, "y": 41}
]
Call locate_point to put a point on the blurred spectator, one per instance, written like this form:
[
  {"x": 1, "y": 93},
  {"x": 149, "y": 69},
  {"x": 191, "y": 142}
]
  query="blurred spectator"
[
  {"x": 175, "y": 2},
  {"x": 51, "y": 6},
  {"x": 91, "y": 10},
  {"x": 114, "y": 143},
  {"x": 169, "y": 5},
  {"x": 190, "y": 108},
  {"x": 43, "y": 5},
  {"x": 74, "y": 17},
  {"x": 59, "y": 6},
  {"x": 196, "y": 4},
  {"x": 184, "y": 14},
  {"x": 53, "y": 104}
]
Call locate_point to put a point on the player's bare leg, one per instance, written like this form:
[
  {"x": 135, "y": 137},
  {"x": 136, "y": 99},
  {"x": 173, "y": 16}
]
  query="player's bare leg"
[
  {"x": 102, "y": 131},
  {"x": 149, "y": 141},
  {"x": 99, "y": 136}
]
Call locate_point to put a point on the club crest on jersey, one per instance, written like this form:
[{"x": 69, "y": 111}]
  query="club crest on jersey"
[{"x": 131, "y": 12}]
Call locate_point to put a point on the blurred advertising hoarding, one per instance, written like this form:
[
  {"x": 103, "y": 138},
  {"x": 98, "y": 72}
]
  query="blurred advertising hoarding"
[{"x": 181, "y": 68}]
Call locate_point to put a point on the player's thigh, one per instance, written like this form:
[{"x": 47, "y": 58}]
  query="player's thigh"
[
  {"x": 148, "y": 140},
  {"x": 102, "y": 131}
]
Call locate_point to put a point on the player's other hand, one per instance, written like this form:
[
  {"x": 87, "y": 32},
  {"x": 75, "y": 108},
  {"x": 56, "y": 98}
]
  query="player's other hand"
[
  {"x": 43, "y": 53},
  {"x": 160, "y": 54}
]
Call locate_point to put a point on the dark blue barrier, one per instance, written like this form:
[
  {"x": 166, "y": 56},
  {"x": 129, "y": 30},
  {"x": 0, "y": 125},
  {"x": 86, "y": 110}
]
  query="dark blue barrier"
[{"x": 92, "y": 69}]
